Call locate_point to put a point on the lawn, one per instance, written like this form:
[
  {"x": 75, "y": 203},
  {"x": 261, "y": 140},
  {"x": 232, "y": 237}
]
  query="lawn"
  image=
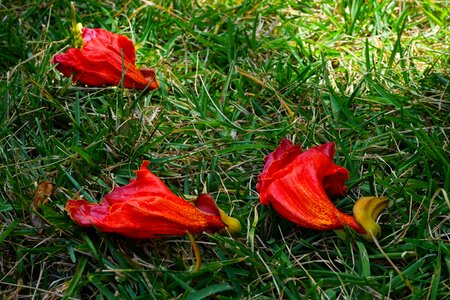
[{"x": 236, "y": 78}]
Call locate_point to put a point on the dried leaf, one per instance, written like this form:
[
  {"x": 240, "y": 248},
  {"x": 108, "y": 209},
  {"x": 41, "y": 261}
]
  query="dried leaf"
[
  {"x": 42, "y": 196},
  {"x": 43, "y": 193}
]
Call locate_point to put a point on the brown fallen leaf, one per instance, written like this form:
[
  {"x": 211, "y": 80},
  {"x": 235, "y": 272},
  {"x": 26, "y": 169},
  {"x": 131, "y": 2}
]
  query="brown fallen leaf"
[{"x": 42, "y": 196}]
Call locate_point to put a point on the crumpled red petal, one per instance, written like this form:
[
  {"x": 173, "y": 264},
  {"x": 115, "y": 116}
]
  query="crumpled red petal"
[
  {"x": 276, "y": 162},
  {"x": 297, "y": 184},
  {"x": 146, "y": 208},
  {"x": 104, "y": 59}
]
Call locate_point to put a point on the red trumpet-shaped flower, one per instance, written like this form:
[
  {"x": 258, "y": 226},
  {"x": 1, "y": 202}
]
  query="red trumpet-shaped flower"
[
  {"x": 297, "y": 184},
  {"x": 105, "y": 59},
  {"x": 146, "y": 208}
]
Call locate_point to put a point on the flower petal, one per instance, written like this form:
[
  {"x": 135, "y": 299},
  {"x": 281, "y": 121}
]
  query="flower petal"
[
  {"x": 296, "y": 184},
  {"x": 275, "y": 162},
  {"x": 104, "y": 59},
  {"x": 335, "y": 176},
  {"x": 146, "y": 208},
  {"x": 205, "y": 203},
  {"x": 98, "y": 38}
]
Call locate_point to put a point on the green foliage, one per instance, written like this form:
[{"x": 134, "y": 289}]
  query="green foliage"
[{"x": 236, "y": 77}]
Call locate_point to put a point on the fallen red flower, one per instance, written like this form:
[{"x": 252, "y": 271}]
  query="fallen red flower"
[
  {"x": 146, "y": 208},
  {"x": 298, "y": 185},
  {"x": 105, "y": 59}
]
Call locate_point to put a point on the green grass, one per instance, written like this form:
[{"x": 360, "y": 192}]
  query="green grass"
[{"x": 237, "y": 77}]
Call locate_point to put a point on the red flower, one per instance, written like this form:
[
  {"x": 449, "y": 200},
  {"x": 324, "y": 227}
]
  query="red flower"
[
  {"x": 297, "y": 184},
  {"x": 146, "y": 208},
  {"x": 104, "y": 59}
]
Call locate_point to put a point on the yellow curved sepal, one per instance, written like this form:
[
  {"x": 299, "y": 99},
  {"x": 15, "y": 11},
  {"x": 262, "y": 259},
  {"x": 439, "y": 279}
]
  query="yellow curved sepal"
[
  {"x": 233, "y": 224},
  {"x": 366, "y": 212}
]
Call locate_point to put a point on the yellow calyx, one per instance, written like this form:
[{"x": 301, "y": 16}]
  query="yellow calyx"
[
  {"x": 79, "y": 28},
  {"x": 77, "y": 35},
  {"x": 366, "y": 212},
  {"x": 233, "y": 224}
]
